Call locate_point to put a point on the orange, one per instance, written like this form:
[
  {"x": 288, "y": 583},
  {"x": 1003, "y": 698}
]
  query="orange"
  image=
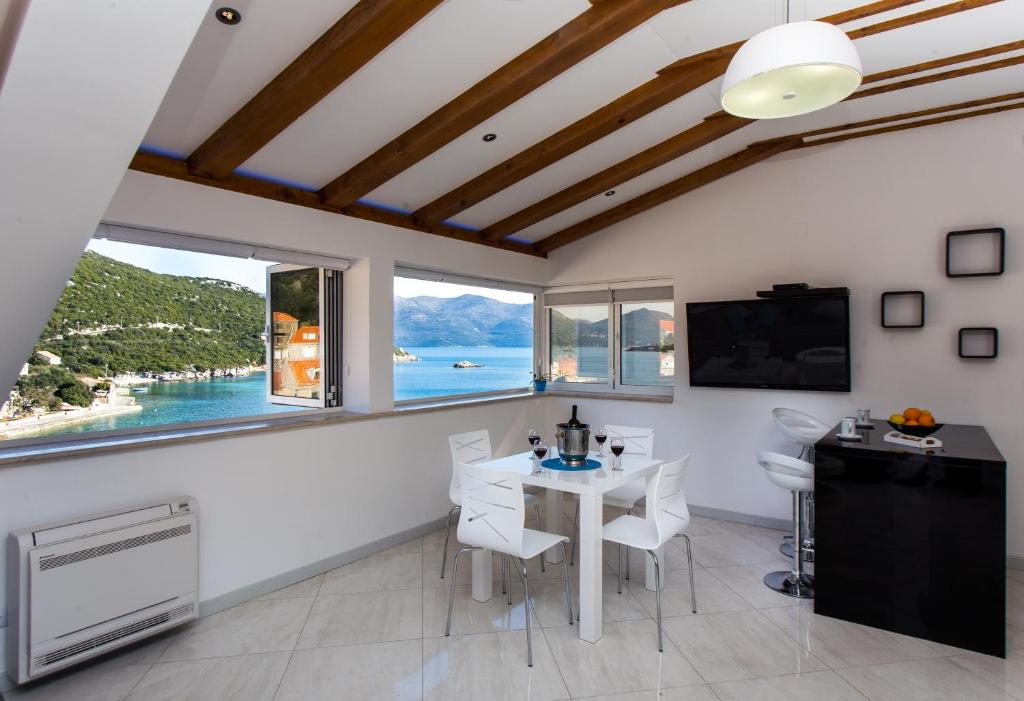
[
  {"x": 911, "y": 414},
  {"x": 912, "y": 423},
  {"x": 926, "y": 420}
]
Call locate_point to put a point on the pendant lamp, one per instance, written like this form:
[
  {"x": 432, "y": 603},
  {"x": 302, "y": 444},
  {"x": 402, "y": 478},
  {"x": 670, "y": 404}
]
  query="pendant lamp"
[{"x": 791, "y": 69}]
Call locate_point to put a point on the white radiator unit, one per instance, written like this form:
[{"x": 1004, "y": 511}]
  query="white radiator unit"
[{"x": 82, "y": 587}]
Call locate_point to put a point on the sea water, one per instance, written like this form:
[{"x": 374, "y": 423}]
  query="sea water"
[{"x": 434, "y": 376}]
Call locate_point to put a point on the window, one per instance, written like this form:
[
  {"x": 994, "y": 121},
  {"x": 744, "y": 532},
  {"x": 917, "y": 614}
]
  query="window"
[
  {"x": 612, "y": 340},
  {"x": 647, "y": 347},
  {"x": 149, "y": 335},
  {"x": 457, "y": 336},
  {"x": 579, "y": 344}
]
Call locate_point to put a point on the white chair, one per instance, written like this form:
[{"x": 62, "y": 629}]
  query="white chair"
[
  {"x": 667, "y": 516},
  {"x": 471, "y": 447},
  {"x": 638, "y": 441},
  {"x": 797, "y": 476},
  {"x": 493, "y": 516}
]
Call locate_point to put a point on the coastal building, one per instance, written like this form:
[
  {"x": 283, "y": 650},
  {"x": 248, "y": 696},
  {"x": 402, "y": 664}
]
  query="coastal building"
[
  {"x": 296, "y": 369},
  {"x": 49, "y": 357}
]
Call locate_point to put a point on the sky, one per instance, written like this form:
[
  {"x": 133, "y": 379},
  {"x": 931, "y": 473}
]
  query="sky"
[{"x": 252, "y": 273}]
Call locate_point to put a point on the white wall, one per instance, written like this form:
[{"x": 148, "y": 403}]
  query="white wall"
[
  {"x": 869, "y": 214},
  {"x": 68, "y": 128}
]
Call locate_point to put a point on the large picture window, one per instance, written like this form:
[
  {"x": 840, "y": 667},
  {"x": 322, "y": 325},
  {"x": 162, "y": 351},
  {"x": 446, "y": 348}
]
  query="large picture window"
[
  {"x": 455, "y": 338},
  {"x": 619, "y": 340},
  {"x": 146, "y": 336}
]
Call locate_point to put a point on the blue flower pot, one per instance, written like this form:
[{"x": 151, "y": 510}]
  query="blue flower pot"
[{"x": 540, "y": 385}]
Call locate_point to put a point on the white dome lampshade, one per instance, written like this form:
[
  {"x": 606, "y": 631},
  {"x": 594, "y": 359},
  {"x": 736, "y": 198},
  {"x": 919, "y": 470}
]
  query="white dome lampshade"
[{"x": 789, "y": 70}]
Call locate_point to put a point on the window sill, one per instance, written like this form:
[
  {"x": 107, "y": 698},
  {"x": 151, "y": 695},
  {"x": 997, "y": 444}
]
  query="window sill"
[
  {"x": 587, "y": 394},
  {"x": 97, "y": 445}
]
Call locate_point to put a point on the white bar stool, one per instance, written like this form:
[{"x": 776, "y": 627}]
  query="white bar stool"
[
  {"x": 798, "y": 477},
  {"x": 804, "y": 430}
]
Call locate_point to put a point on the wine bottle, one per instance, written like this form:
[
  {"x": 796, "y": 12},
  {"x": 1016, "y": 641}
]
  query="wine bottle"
[{"x": 574, "y": 422}]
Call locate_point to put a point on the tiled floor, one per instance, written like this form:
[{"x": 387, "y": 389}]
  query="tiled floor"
[{"x": 374, "y": 629}]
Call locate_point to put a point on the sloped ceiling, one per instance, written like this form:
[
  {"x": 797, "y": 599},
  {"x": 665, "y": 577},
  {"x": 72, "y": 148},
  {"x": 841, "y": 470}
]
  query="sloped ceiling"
[{"x": 461, "y": 42}]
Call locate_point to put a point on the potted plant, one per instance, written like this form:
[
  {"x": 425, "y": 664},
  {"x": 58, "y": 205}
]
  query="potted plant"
[{"x": 540, "y": 382}]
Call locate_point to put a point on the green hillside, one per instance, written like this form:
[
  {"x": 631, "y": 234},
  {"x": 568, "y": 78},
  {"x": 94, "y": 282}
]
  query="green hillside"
[{"x": 218, "y": 323}]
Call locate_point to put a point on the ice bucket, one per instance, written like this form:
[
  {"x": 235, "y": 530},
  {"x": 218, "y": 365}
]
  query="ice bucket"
[{"x": 573, "y": 443}]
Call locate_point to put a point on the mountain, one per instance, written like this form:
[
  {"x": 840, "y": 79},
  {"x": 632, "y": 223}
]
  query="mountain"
[
  {"x": 640, "y": 328},
  {"x": 467, "y": 320},
  {"x": 125, "y": 318}
]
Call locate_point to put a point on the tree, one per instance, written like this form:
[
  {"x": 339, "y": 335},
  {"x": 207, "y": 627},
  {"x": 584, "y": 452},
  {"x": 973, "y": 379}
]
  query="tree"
[{"x": 75, "y": 392}]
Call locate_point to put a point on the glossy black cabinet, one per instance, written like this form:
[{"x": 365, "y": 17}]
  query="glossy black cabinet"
[{"x": 914, "y": 541}]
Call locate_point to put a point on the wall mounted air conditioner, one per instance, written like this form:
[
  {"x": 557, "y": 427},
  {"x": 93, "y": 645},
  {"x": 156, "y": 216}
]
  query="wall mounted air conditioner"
[{"x": 82, "y": 587}]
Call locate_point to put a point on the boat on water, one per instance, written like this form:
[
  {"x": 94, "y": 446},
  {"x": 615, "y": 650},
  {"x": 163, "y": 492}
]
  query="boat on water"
[{"x": 141, "y": 388}]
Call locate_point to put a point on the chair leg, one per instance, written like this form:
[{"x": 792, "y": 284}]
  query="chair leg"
[
  {"x": 508, "y": 576},
  {"x": 575, "y": 531},
  {"x": 504, "y": 589},
  {"x": 529, "y": 631},
  {"x": 565, "y": 571},
  {"x": 629, "y": 512},
  {"x": 657, "y": 592},
  {"x": 447, "y": 534},
  {"x": 451, "y": 590},
  {"x": 618, "y": 567},
  {"x": 689, "y": 562}
]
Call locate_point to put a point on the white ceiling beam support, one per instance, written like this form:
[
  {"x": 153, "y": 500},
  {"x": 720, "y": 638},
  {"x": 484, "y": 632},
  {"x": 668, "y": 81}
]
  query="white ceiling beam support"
[{"x": 82, "y": 85}]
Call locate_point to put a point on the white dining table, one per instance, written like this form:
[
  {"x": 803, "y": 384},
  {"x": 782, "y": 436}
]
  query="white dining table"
[{"x": 590, "y": 486}]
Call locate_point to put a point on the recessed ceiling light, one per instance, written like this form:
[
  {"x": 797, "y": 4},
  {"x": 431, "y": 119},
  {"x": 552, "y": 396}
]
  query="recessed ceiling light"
[
  {"x": 490, "y": 137},
  {"x": 228, "y": 15},
  {"x": 609, "y": 193}
]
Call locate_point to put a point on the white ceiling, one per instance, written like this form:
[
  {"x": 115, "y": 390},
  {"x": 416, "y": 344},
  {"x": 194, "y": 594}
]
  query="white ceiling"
[{"x": 463, "y": 41}]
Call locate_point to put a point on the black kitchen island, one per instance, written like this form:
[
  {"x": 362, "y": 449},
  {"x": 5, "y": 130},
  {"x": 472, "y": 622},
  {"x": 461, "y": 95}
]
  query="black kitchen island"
[{"x": 913, "y": 541}]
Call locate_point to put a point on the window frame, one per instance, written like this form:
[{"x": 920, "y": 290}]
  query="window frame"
[
  {"x": 537, "y": 360},
  {"x": 614, "y": 385},
  {"x": 210, "y": 246},
  {"x": 319, "y": 401}
]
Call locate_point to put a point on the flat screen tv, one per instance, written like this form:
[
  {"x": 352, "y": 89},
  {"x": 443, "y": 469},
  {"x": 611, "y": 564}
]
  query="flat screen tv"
[{"x": 789, "y": 343}]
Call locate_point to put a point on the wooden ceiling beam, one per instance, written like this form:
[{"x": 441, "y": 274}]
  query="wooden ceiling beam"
[
  {"x": 918, "y": 17},
  {"x": 584, "y": 35},
  {"x": 937, "y": 77},
  {"x": 364, "y": 31},
  {"x": 693, "y": 138},
  {"x": 179, "y": 170},
  {"x": 912, "y": 125},
  {"x": 688, "y": 183},
  {"x": 907, "y": 115},
  {"x": 672, "y": 82},
  {"x": 943, "y": 62}
]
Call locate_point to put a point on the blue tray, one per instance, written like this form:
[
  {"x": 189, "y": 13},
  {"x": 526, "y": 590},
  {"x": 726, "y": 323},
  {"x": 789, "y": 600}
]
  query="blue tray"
[{"x": 557, "y": 464}]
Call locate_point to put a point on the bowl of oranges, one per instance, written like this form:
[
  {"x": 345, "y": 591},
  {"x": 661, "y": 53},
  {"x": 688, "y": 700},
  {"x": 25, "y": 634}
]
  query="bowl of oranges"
[{"x": 915, "y": 422}]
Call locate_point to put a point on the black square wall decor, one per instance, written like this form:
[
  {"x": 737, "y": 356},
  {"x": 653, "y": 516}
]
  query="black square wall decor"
[
  {"x": 903, "y": 309},
  {"x": 975, "y": 252},
  {"x": 979, "y": 342}
]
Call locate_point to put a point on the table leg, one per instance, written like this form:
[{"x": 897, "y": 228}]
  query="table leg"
[
  {"x": 553, "y": 522},
  {"x": 590, "y": 567},
  {"x": 482, "y": 575},
  {"x": 649, "y": 571}
]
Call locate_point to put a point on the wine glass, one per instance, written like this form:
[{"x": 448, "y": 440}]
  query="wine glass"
[
  {"x": 540, "y": 449},
  {"x": 533, "y": 436},
  {"x": 601, "y": 436},
  {"x": 618, "y": 446}
]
